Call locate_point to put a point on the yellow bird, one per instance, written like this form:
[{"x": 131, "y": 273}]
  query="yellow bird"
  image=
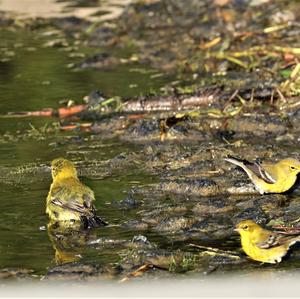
[
  {"x": 69, "y": 201},
  {"x": 270, "y": 178},
  {"x": 263, "y": 245}
]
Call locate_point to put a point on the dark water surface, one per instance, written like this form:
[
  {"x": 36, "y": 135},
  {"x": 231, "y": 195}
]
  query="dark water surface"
[{"x": 34, "y": 77}]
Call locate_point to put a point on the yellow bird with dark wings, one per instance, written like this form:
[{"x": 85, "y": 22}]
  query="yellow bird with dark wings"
[
  {"x": 264, "y": 245},
  {"x": 270, "y": 177},
  {"x": 70, "y": 202}
]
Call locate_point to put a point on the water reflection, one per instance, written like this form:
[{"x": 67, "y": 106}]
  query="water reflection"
[{"x": 68, "y": 243}]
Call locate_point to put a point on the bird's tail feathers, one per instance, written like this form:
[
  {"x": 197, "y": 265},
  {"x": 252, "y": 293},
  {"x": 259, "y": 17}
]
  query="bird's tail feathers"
[
  {"x": 296, "y": 239},
  {"x": 236, "y": 161},
  {"x": 93, "y": 221}
]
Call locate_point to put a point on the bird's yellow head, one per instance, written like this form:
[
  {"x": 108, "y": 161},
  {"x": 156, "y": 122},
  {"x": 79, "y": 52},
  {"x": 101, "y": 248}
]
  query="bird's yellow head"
[
  {"x": 290, "y": 165},
  {"x": 247, "y": 227},
  {"x": 62, "y": 168}
]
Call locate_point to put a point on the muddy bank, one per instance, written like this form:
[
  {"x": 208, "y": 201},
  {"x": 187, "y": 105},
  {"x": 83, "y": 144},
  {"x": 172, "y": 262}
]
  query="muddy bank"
[
  {"x": 230, "y": 44},
  {"x": 189, "y": 116},
  {"x": 183, "y": 214},
  {"x": 234, "y": 44},
  {"x": 178, "y": 200}
]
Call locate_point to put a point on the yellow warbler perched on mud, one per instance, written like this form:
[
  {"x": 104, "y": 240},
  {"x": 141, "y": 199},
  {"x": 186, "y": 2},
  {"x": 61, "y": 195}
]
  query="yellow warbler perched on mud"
[
  {"x": 70, "y": 202},
  {"x": 270, "y": 178},
  {"x": 263, "y": 245}
]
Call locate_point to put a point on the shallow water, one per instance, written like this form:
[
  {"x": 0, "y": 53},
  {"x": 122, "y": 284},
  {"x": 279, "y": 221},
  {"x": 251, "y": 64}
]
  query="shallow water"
[{"x": 34, "y": 77}]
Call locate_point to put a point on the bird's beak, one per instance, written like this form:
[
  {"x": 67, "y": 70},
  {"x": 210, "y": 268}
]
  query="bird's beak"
[{"x": 236, "y": 229}]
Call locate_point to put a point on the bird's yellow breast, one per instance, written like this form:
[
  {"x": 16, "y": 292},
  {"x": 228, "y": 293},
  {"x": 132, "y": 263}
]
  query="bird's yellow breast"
[
  {"x": 283, "y": 183},
  {"x": 269, "y": 255}
]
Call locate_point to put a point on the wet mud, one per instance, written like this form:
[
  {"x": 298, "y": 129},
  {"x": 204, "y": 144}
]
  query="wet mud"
[{"x": 181, "y": 217}]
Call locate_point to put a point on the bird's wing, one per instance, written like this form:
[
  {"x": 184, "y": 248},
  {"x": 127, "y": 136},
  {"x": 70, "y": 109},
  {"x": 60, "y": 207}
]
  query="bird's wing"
[
  {"x": 66, "y": 198},
  {"x": 260, "y": 172},
  {"x": 255, "y": 168},
  {"x": 276, "y": 239},
  {"x": 271, "y": 240}
]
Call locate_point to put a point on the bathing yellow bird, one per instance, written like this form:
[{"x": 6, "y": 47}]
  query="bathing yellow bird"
[
  {"x": 70, "y": 202},
  {"x": 263, "y": 245},
  {"x": 270, "y": 178}
]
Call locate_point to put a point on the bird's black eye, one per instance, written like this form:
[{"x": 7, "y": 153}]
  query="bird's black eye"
[
  {"x": 292, "y": 167},
  {"x": 245, "y": 227}
]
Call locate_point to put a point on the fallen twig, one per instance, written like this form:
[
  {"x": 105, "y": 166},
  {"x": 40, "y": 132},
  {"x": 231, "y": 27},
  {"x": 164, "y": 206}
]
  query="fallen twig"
[
  {"x": 216, "y": 251},
  {"x": 289, "y": 230},
  {"x": 138, "y": 272},
  {"x": 48, "y": 112},
  {"x": 83, "y": 127}
]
